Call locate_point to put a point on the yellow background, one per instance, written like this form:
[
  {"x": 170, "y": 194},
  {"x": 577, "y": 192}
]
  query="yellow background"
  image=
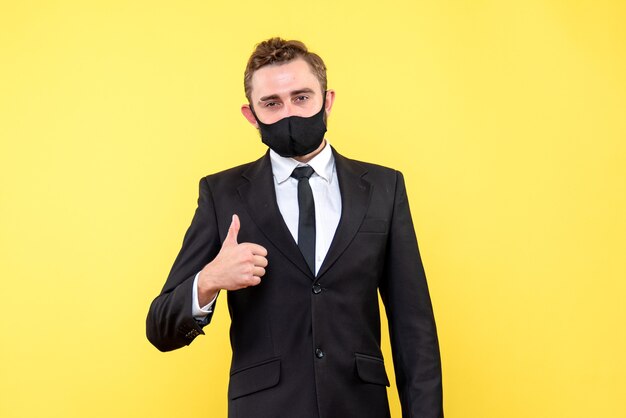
[{"x": 507, "y": 118}]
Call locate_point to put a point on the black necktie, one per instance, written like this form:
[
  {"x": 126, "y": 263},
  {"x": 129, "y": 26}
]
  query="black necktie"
[{"x": 306, "y": 220}]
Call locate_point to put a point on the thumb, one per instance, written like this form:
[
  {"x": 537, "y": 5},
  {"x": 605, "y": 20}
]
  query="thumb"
[{"x": 233, "y": 230}]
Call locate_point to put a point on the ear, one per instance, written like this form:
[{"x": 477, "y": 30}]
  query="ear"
[
  {"x": 247, "y": 113},
  {"x": 330, "y": 99}
]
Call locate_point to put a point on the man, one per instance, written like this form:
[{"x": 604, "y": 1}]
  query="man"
[{"x": 303, "y": 239}]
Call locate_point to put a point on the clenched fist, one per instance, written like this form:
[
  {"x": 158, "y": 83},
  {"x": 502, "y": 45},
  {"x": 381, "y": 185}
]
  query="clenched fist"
[{"x": 235, "y": 267}]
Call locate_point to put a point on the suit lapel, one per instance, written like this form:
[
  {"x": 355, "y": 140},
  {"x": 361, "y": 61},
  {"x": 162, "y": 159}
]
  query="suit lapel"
[
  {"x": 259, "y": 196},
  {"x": 355, "y": 199}
]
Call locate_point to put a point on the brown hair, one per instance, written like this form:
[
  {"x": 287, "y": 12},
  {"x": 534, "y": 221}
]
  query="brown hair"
[{"x": 280, "y": 51}]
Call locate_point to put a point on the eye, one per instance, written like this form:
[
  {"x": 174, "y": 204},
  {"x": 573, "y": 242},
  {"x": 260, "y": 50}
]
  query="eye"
[
  {"x": 301, "y": 98},
  {"x": 270, "y": 104}
]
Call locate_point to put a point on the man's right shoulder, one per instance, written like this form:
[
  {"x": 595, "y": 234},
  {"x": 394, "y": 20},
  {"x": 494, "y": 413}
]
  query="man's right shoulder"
[{"x": 233, "y": 174}]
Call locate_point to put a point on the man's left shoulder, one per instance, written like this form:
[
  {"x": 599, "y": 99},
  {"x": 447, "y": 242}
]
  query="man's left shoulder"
[{"x": 368, "y": 169}]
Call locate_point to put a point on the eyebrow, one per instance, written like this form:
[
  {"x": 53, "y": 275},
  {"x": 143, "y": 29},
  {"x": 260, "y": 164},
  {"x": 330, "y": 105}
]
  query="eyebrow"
[{"x": 293, "y": 93}]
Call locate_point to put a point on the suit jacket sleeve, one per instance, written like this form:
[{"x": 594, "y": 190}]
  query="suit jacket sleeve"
[
  {"x": 170, "y": 324},
  {"x": 411, "y": 321}
]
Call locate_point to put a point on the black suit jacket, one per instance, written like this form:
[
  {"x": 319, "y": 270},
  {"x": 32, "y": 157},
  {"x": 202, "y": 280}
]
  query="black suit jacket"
[{"x": 306, "y": 346}]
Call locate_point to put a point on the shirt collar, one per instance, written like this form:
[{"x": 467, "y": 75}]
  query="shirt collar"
[{"x": 323, "y": 164}]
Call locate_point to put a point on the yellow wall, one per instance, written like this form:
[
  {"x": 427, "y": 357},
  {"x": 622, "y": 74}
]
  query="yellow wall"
[{"x": 507, "y": 118}]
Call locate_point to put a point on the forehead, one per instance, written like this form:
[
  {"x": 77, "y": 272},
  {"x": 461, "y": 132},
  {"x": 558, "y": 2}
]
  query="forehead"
[{"x": 281, "y": 79}]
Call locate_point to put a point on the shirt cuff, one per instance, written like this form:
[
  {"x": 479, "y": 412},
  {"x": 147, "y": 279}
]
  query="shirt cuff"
[{"x": 198, "y": 312}]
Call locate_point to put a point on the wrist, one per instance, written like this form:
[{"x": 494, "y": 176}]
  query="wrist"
[{"x": 207, "y": 289}]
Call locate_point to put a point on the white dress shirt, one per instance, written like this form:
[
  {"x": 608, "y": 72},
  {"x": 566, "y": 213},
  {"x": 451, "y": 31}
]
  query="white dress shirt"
[{"x": 327, "y": 199}]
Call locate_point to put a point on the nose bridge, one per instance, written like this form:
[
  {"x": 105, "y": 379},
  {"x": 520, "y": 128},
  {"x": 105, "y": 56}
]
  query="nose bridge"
[{"x": 288, "y": 108}]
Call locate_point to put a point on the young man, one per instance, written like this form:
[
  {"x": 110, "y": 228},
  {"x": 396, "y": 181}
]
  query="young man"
[{"x": 303, "y": 239}]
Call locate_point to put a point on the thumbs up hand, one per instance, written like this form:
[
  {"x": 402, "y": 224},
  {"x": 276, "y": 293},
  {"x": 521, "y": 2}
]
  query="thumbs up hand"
[{"x": 236, "y": 266}]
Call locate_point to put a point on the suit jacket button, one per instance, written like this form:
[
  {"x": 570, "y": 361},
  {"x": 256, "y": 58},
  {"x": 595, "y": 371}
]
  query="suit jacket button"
[
  {"x": 319, "y": 353},
  {"x": 317, "y": 289}
]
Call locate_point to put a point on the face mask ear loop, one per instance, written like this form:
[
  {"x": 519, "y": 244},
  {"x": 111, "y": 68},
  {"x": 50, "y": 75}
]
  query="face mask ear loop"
[{"x": 253, "y": 112}]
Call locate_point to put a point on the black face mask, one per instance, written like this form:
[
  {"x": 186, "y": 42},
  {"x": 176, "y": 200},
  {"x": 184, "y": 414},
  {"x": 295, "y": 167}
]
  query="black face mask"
[{"x": 294, "y": 136}]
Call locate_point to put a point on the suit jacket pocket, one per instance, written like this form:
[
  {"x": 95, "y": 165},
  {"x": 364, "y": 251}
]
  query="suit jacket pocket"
[
  {"x": 374, "y": 226},
  {"x": 254, "y": 378},
  {"x": 371, "y": 369}
]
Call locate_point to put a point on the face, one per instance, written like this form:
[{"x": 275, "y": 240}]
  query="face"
[{"x": 283, "y": 90}]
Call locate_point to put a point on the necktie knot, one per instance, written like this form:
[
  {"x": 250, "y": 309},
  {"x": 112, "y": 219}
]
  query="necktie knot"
[{"x": 302, "y": 172}]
